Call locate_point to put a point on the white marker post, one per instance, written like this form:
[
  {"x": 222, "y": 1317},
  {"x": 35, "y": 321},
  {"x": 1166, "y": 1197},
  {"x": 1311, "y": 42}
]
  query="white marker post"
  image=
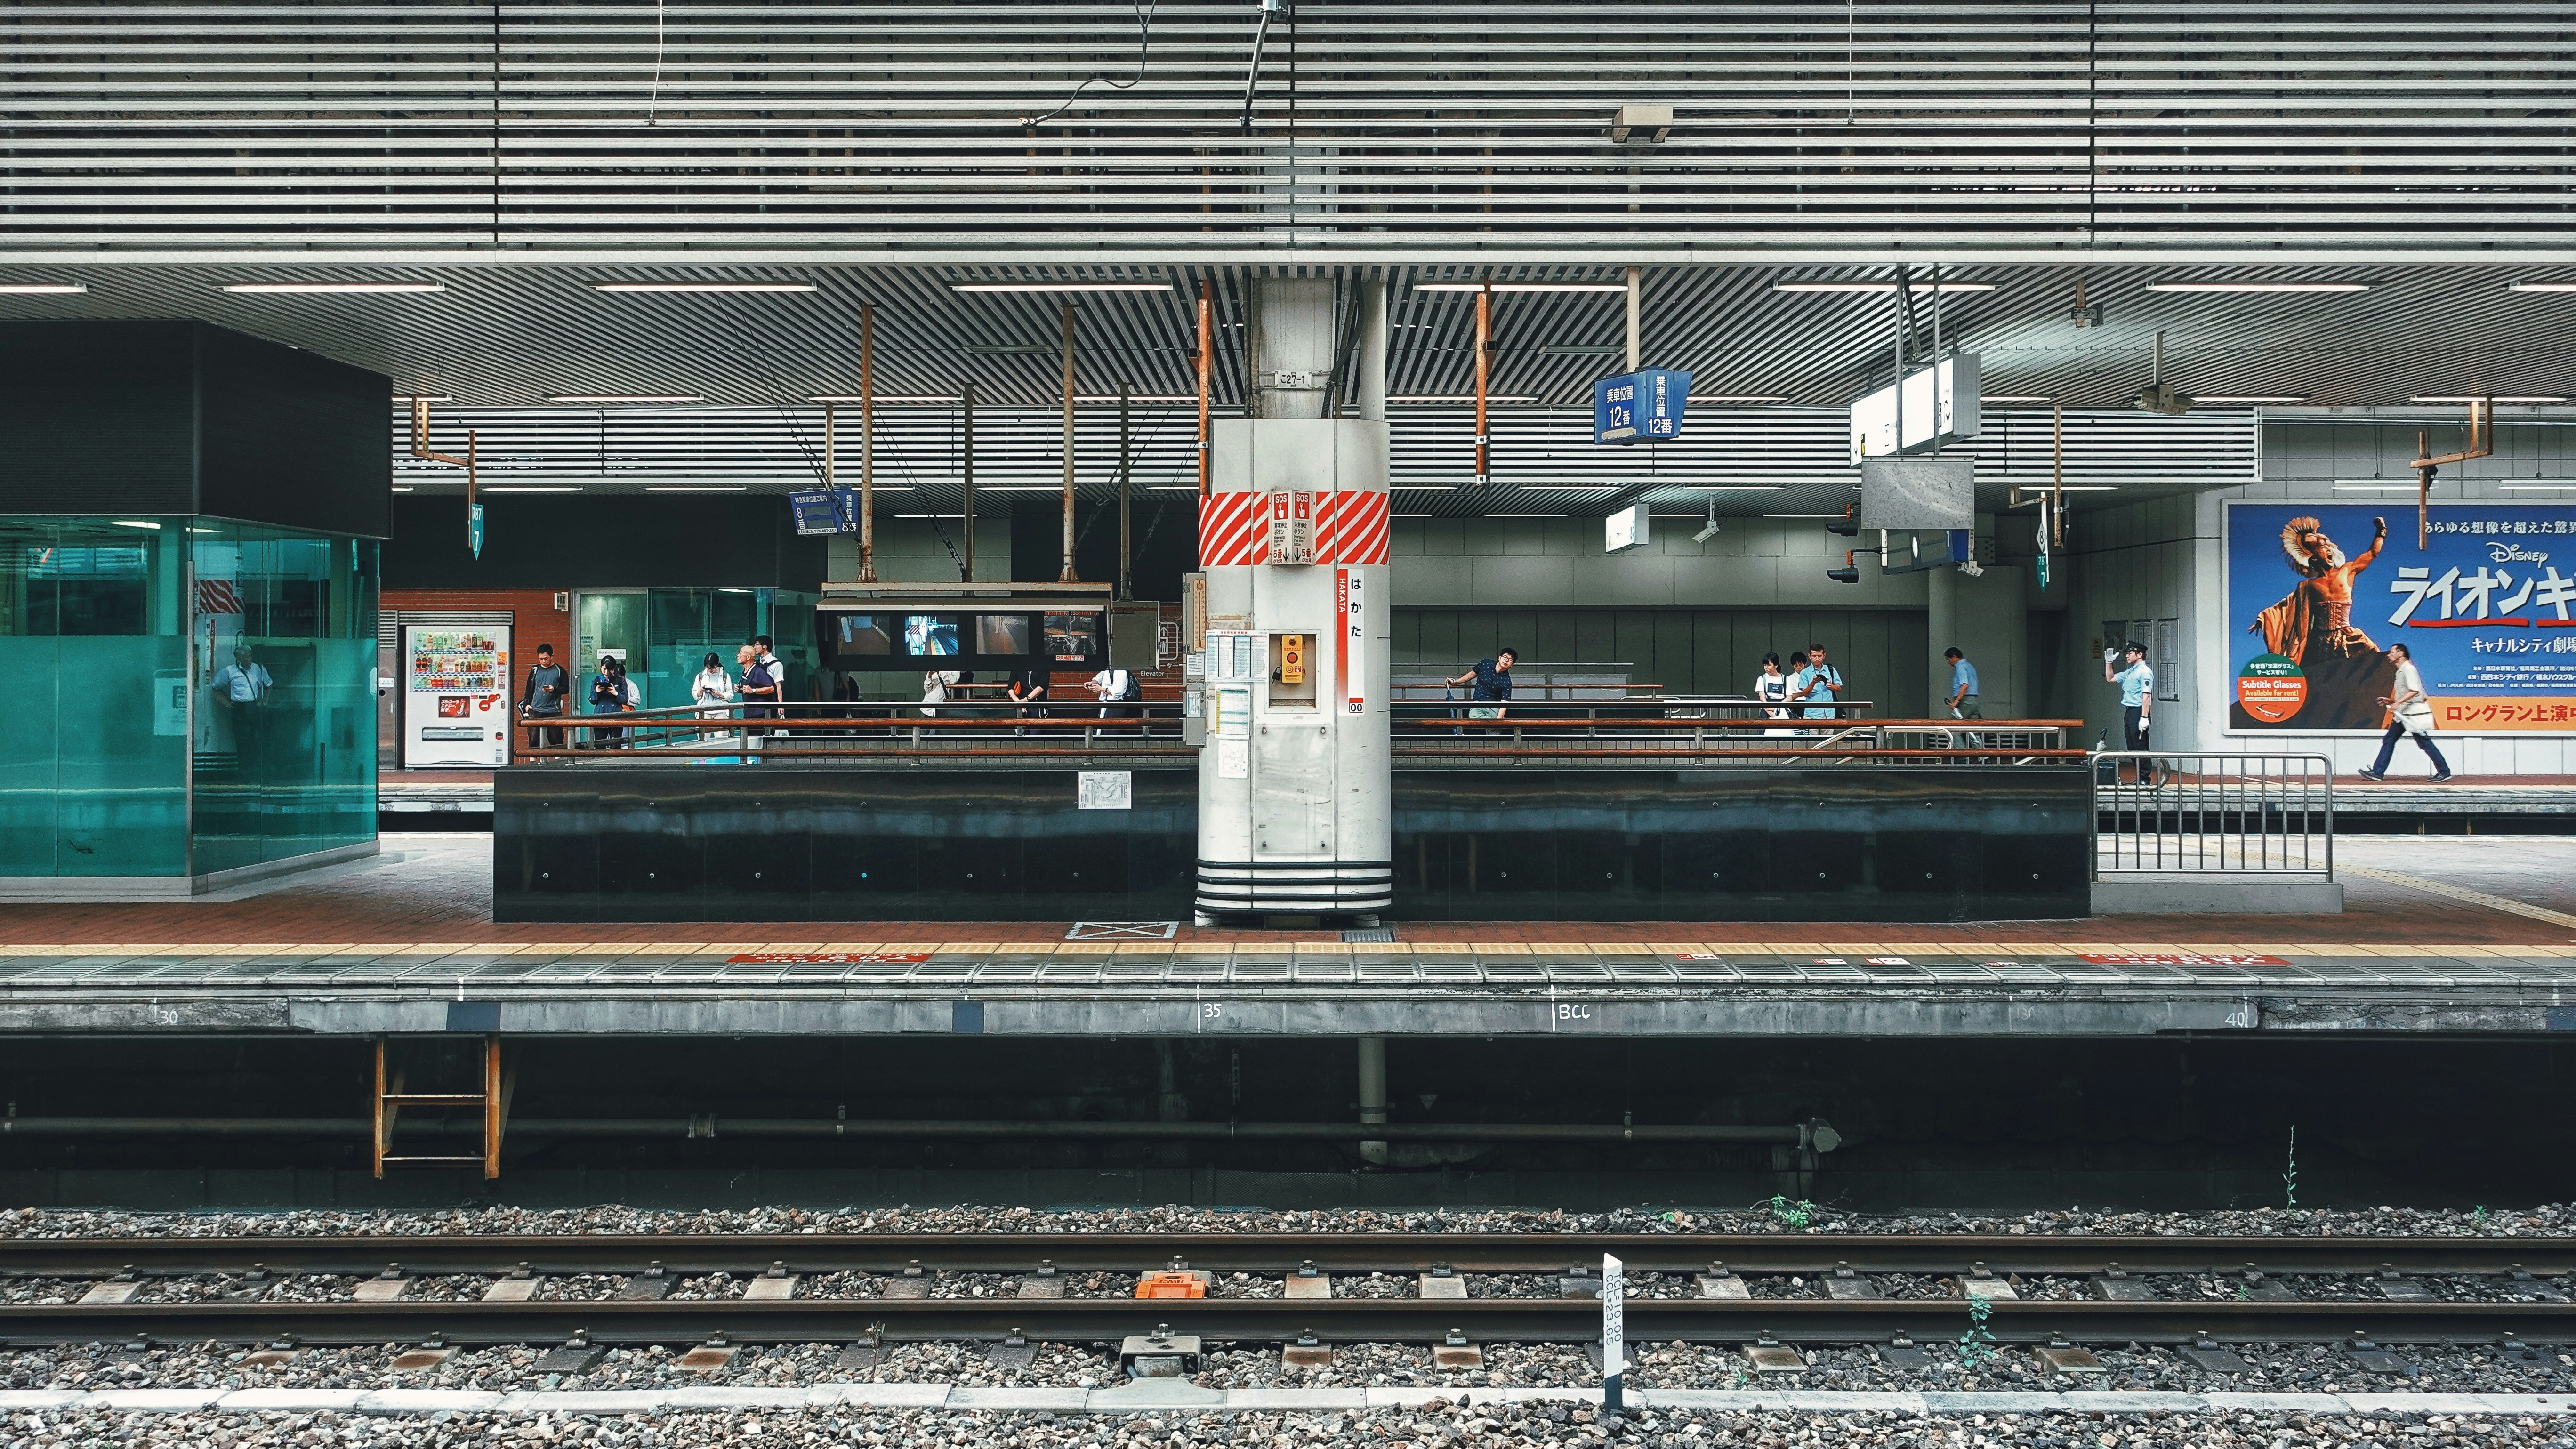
[{"x": 1614, "y": 1331}]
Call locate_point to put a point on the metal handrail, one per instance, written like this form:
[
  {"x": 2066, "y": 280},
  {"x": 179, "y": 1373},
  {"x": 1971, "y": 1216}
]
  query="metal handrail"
[{"x": 2230, "y": 813}]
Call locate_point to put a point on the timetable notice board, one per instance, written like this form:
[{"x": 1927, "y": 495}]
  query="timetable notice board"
[{"x": 456, "y": 696}]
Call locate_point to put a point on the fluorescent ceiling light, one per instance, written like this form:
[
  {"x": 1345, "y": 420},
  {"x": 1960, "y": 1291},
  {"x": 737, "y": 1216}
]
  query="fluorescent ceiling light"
[
  {"x": 41, "y": 289},
  {"x": 1880, "y": 287},
  {"x": 1060, "y": 287},
  {"x": 1524, "y": 515},
  {"x": 2273, "y": 397},
  {"x": 2016, "y": 397},
  {"x": 1463, "y": 397},
  {"x": 1520, "y": 287},
  {"x": 625, "y": 397},
  {"x": 1806, "y": 515},
  {"x": 1111, "y": 397},
  {"x": 2541, "y": 287},
  {"x": 402, "y": 488},
  {"x": 331, "y": 288},
  {"x": 2087, "y": 487},
  {"x": 696, "y": 487},
  {"x": 1745, "y": 397},
  {"x": 2533, "y": 487},
  {"x": 432, "y": 397},
  {"x": 2260, "y": 286},
  {"x": 531, "y": 488},
  {"x": 2374, "y": 487},
  {"x": 883, "y": 397},
  {"x": 135, "y": 523},
  {"x": 1738, "y": 488},
  {"x": 2499, "y": 397},
  {"x": 702, "y": 286},
  {"x": 1408, "y": 515}
]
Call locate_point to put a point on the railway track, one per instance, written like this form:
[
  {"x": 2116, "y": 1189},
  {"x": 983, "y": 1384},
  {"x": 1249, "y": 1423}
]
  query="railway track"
[{"x": 1846, "y": 1288}]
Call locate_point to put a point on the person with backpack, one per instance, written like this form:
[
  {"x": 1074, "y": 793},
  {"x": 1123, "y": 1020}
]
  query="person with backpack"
[
  {"x": 1120, "y": 692},
  {"x": 611, "y": 692},
  {"x": 1818, "y": 684}
]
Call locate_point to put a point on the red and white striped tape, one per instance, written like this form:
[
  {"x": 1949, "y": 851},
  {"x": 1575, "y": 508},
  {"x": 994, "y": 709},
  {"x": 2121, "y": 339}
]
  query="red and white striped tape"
[{"x": 1350, "y": 528}]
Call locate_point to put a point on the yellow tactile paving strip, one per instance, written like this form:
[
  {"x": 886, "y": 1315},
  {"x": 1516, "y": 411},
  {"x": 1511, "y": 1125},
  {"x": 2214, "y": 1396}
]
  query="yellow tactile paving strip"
[{"x": 1486, "y": 949}]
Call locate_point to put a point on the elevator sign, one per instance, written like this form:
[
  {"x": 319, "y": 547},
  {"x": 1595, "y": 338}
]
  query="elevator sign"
[{"x": 1292, "y": 527}]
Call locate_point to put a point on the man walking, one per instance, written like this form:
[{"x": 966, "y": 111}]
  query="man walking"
[
  {"x": 2410, "y": 712},
  {"x": 542, "y": 698},
  {"x": 1963, "y": 691}
]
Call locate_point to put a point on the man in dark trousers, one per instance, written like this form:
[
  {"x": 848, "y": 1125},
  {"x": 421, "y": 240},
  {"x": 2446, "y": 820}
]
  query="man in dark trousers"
[{"x": 542, "y": 697}]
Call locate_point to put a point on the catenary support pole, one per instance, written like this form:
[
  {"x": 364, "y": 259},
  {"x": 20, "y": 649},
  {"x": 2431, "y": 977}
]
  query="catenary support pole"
[
  {"x": 1207, "y": 359},
  {"x": 1373, "y": 332},
  {"x": 966, "y": 397},
  {"x": 867, "y": 445},
  {"x": 1484, "y": 356},
  {"x": 1373, "y": 1095},
  {"x": 1126, "y": 588},
  {"x": 1068, "y": 576}
]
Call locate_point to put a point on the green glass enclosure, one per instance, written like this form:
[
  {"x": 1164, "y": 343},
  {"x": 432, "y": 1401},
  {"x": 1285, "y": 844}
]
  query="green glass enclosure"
[{"x": 192, "y": 695}]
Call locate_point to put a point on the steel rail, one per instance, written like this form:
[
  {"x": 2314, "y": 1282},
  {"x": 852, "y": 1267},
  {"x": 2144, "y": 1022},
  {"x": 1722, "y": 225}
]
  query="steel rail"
[
  {"x": 1005, "y": 1252},
  {"x": 1094, "y": 1320}
]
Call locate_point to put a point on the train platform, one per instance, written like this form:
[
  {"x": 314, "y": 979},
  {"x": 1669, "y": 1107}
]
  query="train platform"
[{"x": 2471, "y": 936}]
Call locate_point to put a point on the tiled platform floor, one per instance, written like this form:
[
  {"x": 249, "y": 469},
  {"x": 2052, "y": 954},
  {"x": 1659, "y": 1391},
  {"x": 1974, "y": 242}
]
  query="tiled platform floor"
[{"x": 436, "y": 886}]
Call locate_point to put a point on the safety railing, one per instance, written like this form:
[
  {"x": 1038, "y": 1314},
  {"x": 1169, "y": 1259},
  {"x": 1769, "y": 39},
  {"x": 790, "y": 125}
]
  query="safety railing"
[
  {"x": 1726, "y": 729},
  {"x": 833, "y": 728},
  {"x": 2156, "y": 811}
]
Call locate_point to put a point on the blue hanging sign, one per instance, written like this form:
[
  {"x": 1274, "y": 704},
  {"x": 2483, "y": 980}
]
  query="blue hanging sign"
[
  {"x": 1639, "y": 407},
  {"x": 474, "y": 529},
  {"x": 825, "y": 510}
]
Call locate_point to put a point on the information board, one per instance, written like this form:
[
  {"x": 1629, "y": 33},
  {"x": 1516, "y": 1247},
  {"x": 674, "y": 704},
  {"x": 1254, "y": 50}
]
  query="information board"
[
  {"x": 2317, "y": 592},
  {"x": 456, "y": 704}
]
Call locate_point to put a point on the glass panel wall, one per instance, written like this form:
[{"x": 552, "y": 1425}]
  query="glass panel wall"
[
  {"x": 684, "y": 626},
  {"x": 281, "y": 660},
  {"x": 94, "y": 742}
]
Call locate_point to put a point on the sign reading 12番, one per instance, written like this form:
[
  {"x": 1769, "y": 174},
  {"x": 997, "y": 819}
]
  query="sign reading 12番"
[{"x": 2317, "y": 592}]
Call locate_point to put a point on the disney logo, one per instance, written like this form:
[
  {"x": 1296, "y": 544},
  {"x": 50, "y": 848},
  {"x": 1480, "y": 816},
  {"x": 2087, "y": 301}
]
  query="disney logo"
[{"x": 2513, "y": 553}]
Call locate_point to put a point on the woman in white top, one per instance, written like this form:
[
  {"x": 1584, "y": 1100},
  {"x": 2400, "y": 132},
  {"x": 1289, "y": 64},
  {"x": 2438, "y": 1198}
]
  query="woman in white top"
[
  {"x": 712, "y": 690},
  {"x": 1772, "y": 686}
]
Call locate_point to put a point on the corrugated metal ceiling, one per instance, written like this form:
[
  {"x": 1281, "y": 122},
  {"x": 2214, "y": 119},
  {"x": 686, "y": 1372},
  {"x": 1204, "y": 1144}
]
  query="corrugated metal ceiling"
[{"x": 157, "y": 123}]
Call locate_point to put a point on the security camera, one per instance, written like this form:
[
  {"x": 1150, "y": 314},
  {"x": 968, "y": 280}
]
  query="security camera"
[
  {"x": 1709, "y": 530},
  {"x": 1972, "y": 568}
]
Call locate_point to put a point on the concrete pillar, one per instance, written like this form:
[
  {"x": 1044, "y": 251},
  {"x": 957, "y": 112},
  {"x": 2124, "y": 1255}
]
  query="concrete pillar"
[
  {"x": 1941, "y": 597},
  {"x": 1373, "y": 1095},
  {"x": 1293, "y": 817}
]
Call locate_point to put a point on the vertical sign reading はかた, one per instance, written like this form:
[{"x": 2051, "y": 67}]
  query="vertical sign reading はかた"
[
  {"x": 1350, "y": 661},
  {"x": 2317, "y": 592}
]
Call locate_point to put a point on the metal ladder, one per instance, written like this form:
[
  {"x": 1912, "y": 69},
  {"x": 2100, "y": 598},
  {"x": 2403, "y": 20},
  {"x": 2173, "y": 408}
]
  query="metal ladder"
[{"x": 494, "y": 1099}]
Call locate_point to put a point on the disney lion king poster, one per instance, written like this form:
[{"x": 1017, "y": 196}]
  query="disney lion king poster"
[{"x": 2317, "y": 592}]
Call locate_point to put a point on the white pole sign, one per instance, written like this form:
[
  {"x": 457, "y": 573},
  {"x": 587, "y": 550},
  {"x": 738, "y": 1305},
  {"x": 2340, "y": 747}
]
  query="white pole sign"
[{"x": 1614, "y": 1330}]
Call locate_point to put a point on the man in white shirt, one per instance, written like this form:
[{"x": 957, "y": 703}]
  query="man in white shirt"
[
  {"x": 1114, "y": 687},
  {"x": 240, "y": 689},
  {"x": 2410, "y": 712}
]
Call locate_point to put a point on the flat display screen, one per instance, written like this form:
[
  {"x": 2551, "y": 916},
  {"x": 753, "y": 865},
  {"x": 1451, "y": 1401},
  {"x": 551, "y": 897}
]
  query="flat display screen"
[
  {"x": 863, "y": 634},
  {"x": 929, "y": 635},
  {"x": 1001, "y": 633},
  {"x": 1072, "y": 638}
]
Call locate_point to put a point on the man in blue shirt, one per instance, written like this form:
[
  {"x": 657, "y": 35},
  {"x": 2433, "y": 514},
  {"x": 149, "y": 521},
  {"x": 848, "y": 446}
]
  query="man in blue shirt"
[
  {"x": 1963, "y": 690},
  {"x": 2137, "y": 681},
  {"x": 1816, "y": 684},
  {"x": 1493, "y": 679}
]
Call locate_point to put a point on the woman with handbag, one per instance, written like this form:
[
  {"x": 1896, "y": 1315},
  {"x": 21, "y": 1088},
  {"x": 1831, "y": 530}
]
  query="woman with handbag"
[{"x": 2410, "y": 712}]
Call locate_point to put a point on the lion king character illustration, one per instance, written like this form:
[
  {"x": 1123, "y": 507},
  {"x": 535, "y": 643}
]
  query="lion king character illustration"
[{"x": 2313, "y": 626}]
